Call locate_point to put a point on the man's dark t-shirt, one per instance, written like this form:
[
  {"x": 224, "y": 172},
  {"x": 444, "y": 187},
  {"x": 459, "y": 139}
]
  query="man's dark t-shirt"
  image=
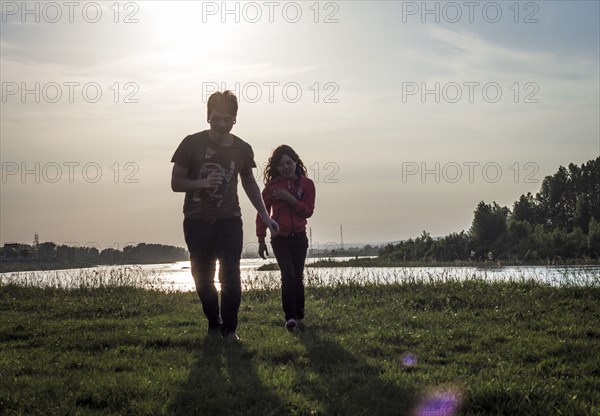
[{"x": 202, "y": 156}]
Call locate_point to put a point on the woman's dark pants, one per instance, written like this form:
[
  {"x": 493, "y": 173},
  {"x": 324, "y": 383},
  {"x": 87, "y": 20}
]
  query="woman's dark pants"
[{"x": 290, "y": 253}]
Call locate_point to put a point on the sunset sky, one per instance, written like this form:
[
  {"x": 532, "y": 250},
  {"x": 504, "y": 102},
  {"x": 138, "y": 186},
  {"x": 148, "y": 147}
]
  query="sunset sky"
[{"x": 407, "y": 114}]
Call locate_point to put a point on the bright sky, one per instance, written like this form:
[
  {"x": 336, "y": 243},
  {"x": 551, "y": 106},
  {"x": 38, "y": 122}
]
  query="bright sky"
[{"x": 407, "y": 114}]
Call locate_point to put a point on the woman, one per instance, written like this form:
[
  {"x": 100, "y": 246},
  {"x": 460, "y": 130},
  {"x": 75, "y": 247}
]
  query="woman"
[{"x": 290, "y": 199}]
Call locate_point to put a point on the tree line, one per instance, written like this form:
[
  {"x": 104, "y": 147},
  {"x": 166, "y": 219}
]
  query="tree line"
[
  {"x": 559, "y": 223},
  {"x": 49, "y": 252}
]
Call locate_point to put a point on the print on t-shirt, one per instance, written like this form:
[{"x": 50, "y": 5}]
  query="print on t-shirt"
[{"x": 214, "y": 162}]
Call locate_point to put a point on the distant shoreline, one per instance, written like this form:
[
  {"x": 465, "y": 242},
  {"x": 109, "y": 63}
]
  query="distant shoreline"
[
  {"x": 34, "y": 266},
  {"x": 376, "y": 262}
]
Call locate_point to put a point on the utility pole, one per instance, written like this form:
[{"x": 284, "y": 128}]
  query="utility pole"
[
  {"x": 341, "y": 237},
  {"x": 36, "y": 243}
]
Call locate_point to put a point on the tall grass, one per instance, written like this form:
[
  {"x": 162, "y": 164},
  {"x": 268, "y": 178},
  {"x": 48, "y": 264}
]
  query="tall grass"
[
  {"x": 155, "y": 279},
  {"x": 88, "y": 278}
]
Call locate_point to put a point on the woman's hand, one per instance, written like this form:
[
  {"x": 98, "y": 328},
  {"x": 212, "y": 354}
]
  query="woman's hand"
[{"x": 283, "y": 195}]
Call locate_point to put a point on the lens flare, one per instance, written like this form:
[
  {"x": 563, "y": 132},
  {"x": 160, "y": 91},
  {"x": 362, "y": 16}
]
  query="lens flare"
[
  {"x": 409, "y": 360},
  {"x": 439, "y": 403}
]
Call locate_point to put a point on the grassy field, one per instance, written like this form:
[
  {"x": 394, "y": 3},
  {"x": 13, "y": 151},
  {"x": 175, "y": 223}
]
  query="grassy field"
[{"x": 417, "y": 348}]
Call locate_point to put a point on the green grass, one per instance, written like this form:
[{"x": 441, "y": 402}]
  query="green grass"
[{"x": 511, "y": 348}]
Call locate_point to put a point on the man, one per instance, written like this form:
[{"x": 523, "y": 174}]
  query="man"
[{"x": 206, "y": 167}]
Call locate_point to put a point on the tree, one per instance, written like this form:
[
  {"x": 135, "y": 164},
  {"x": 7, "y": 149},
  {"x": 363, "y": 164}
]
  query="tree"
[
  {"x": 488, "y": 228},
  {"x": 452, "y": 247},
  {"x": 422, "y": 246},
  {"x": 520, "y": 237},
  {"x": 527, "y": 209},
  {"x": 561, "y": 193},
  {"x": 594, "y": 238},
  {"x": 541, "y": 242},
  {"x": 553, "y": 200},
  {"x": 583, "y": 213},
  {"x": 47, "y": 251},
  {"x": 591, "y": 176}
]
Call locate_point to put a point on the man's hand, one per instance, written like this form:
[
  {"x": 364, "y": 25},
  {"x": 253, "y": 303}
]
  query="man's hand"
[
  {"x": 273, "y": 226},
  {"x": 212, "y": 181},
  {"x": 262, "y": 250}
]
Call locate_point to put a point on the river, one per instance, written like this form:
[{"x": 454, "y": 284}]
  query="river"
[{"x": 177, "y": 276}]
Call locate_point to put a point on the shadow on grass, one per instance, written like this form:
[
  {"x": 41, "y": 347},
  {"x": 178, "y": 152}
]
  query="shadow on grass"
[
  {"x": 348, "y": 385},
  {"x": 223, "y": 381}
]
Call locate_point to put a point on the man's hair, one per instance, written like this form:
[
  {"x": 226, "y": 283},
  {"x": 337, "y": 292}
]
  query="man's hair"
[{"x": 225, "y": 102}]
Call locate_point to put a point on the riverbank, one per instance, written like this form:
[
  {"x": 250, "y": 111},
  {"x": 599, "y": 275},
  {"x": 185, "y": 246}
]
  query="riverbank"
[
  {"x": 485, "y": 348},
  {"x": 385, "y": 262}
]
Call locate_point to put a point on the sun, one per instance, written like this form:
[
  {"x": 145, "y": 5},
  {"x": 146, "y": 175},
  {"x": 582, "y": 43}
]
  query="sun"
[{"x": 193, "y": 28}]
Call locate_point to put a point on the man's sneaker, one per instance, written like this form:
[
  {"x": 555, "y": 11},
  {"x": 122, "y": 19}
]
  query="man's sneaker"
[
  {"x": 290, "y": 325},
  {"x": 231, "y": 338},
  {"x": 300, "y": 324}
]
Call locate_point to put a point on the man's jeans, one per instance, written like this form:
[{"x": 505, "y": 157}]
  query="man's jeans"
[
  {"x": 290, "y": 253},
  {"x": 207, "y": 242}
]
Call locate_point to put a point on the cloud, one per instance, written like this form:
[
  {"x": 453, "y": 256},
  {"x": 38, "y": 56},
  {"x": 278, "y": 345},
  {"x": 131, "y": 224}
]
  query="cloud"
[{"x": 471, "y": 54}]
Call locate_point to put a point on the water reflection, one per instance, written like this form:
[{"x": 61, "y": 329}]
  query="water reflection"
[{"x": 177, "y": 276}]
